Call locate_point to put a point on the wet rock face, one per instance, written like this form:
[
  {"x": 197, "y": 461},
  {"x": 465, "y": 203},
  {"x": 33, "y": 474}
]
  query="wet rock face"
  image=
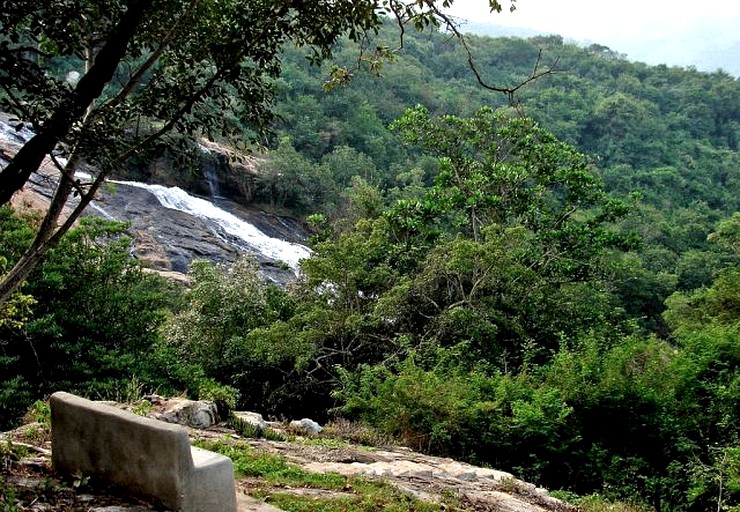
[
  {"x": 217, "y": 172},
  {"x": 168, "y": 239},
  {"x": 165, "y": 239}
]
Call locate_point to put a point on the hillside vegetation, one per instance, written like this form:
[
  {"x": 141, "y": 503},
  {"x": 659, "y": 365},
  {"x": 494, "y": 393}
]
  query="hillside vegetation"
[{"x": 550, "y": 288}]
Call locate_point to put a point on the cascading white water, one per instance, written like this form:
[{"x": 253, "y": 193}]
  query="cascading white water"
[
  {"x": 238, "y": 231},
  {"x": 253, "y": 238}
]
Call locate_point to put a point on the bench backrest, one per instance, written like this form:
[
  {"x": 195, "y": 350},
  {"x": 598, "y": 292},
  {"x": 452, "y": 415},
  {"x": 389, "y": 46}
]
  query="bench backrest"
[{"x": 150, "y": 458}]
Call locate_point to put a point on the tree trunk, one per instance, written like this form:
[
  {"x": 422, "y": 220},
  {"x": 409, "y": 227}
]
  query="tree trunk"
[
  {"x": 48, "y": 234},
  {"x": 20, "y": 271},
  {"x": 90, "y": 86}
]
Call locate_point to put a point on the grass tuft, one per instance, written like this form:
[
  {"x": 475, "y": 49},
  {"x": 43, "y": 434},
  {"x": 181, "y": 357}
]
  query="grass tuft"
[
  {"x": 356, "y": 433},
  {"x": 252, "y": 431}
]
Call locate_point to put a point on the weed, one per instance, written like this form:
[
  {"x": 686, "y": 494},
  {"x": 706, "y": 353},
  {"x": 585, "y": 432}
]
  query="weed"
[
  {"x": 39, "y": 412},
  {"x": 8, "y": 497},
  {"x": 48, "y": 488},
  {"x": 323, "y": 441},
  {"x": 282, "y": 265},
  {"x": 451, "y": 498},
  {"x": 80, "y": 480},
  {"x": 272, "y": 468},
  {"x": 509, "y": 485},
  {"x": 356, "y": 433},
  {"x": 249, "y": 430},
  {"x": 360, "y": 495},
  {"x": 566, "y": 496},
  {"x": 133, "y": 390},
  {"x": 10, "y": 454},
  {"x": 596, "y": 503},
  {"x": 142, "y": 408},
  {"x": 244, "y": 428},
  {"x": 356, "y": 494}
]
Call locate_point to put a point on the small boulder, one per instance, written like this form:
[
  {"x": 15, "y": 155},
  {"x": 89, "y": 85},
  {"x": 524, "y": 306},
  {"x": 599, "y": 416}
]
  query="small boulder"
[
  {"x": 306, "y": 426},
  {"x": 252, "y": 418},
  {"x": 190, "y": 413}
]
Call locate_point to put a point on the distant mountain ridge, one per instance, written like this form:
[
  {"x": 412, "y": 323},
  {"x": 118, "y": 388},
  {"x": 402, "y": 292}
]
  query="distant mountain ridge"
[{"x": 694, "y": 50}]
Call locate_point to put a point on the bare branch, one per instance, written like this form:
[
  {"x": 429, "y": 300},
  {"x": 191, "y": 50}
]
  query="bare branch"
[
  {"x": 401, "y": 26},
  {"x": 184, "y": 109},
  {"x": 67, "y": 172},
  {"x": 85, "y": 200},
  {"x": 453, "y": 27}
]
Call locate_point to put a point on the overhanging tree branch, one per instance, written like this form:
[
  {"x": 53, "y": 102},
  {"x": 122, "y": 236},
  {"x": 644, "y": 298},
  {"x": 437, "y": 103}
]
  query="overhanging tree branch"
[
  {"x": 135, "y": 79},
  {"x": 218, "y": 40},
  {"x": 90, "y": 86}
]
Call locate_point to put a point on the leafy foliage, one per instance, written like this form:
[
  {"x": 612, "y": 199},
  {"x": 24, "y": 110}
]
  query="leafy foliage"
[
  {"x": 217, "y": 335},
  {"x": 668, "y": 134},
  {"x": 94, "y": 324}
]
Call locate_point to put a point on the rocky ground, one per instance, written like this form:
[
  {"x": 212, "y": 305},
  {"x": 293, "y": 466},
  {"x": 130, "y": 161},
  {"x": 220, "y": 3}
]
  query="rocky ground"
[
  {"x": 35, "y": 486},
  {"x": 425, "y": 477}
]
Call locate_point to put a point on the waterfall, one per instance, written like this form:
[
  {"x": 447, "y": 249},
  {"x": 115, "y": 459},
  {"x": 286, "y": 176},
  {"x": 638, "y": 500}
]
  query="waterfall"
[
  {"x": 212, "y": 178},
  {"x": 101, "y": 210},
  {"x": 210, "y": 173},
  {"x": 227, "y": 225}
]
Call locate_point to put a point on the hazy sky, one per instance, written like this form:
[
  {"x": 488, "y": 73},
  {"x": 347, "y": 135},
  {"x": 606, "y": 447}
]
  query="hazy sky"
[{"x": 675, "y": 32}]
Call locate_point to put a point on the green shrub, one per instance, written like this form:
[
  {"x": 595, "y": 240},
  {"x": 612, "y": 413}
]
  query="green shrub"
[
  {"x": 225, "y": 397},
  {"x": 504, "y": 420},
  {"x": 40, "y": 412},
  {"x": 94, "y": 326}
]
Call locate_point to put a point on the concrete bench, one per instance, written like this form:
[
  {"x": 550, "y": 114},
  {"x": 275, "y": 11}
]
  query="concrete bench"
[{"x": 148, "y": 458}]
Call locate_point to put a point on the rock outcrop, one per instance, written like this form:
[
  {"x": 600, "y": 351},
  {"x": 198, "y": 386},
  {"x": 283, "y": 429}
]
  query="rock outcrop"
[
  {"x": 252, "y": 418},
  {"x": 306, "y": 426},
  {"x": 189, "y": 413},
  {"x": 425, "y": 477}
]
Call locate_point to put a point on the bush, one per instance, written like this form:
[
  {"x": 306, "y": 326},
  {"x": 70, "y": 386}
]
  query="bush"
[
  {"x": 94, "y": 327},
  {"x": 508, "y": 421},
  {"x": 231, "y": 330}
]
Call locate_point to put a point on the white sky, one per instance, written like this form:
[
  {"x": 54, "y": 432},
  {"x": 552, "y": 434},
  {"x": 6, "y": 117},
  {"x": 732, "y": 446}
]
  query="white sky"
[{"x": 679, "y": 32}]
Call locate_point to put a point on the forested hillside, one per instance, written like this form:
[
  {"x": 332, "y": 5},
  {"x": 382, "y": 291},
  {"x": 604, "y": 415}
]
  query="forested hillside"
[
  {"x": 549, "y": 287},
  {"x": 669, "y": 134}
]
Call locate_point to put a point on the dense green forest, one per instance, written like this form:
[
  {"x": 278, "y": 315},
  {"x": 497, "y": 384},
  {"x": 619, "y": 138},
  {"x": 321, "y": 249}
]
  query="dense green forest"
[{"x": 550, "y": 287}]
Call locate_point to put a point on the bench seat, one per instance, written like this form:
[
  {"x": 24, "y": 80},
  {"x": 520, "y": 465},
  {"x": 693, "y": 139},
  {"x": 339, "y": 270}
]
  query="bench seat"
[{"x": 148, "y": 458}]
